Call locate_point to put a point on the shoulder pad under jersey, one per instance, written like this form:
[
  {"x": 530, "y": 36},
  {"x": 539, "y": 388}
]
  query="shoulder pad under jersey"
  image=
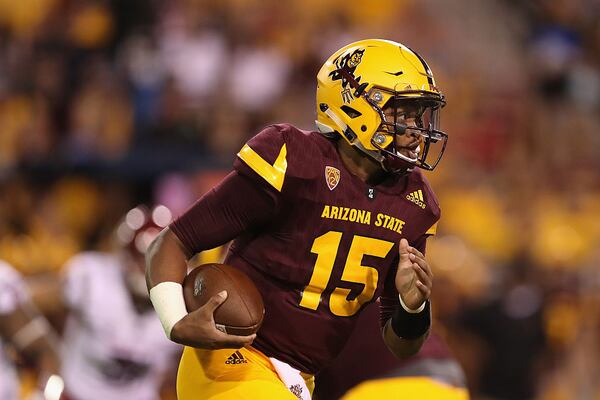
[{"x": 279, "y": 155}]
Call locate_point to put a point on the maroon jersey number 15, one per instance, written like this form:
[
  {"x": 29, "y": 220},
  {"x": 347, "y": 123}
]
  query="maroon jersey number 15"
[{"x": 326, "y": 248}]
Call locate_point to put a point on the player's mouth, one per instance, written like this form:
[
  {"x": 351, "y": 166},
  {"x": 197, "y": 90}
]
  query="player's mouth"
[{"x": 411, "y": 151}]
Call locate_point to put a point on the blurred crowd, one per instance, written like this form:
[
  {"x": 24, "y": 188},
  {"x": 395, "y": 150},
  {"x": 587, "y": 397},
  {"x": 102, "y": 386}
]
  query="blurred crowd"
[{"x": 105, "y": 104}]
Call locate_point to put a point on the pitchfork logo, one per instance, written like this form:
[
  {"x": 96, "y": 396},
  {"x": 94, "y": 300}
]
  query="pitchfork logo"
[
  {"x": 332, "y": 177},
  {"x": 346, "y": 65}
]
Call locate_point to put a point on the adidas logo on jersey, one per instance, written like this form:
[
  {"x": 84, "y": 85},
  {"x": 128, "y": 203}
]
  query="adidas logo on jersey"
[
  {"x": 417, "y": 198},
  {"x": 236, "y": 358}
]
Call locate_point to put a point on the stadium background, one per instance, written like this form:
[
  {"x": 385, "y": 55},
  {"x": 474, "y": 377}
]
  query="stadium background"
[{"x": 105, "y": 104}]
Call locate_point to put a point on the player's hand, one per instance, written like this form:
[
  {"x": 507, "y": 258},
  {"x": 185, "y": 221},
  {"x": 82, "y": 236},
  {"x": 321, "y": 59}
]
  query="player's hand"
[
  {"x": 197, "y": 329},
  {"x": 414, "y": 278}
]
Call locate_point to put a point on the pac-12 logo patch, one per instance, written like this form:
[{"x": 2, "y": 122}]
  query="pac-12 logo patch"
[{"x": 332, "y": 177}]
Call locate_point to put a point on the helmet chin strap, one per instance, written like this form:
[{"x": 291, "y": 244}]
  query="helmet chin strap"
[{"x": 337, "y": 120}]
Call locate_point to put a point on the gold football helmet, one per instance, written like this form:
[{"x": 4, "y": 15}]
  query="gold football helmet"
[{"x": 374, "y": 90}]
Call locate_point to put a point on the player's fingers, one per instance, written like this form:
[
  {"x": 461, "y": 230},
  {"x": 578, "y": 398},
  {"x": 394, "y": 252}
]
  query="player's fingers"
[
  {"x": 425, "y": 290},
  {"x": 422, "y": 275},
  {"x": 415, "y": 252},
  {"x": 403, "y": 249},
  {"x": 423, "y": 264},
  {"x": 215, "y": 301}
]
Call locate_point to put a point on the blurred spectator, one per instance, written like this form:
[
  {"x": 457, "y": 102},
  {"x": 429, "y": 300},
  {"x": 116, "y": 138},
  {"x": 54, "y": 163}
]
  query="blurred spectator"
[
  {"x": 101, "y": 117},
  {"x": 196, "y": 59}
]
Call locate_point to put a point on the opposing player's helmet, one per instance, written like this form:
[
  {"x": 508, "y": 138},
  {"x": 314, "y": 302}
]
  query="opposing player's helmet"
[
  {"x": 140, "y": 226},
  {"x": 359, "y": 81},
  {"x": 137, "y": 230}
]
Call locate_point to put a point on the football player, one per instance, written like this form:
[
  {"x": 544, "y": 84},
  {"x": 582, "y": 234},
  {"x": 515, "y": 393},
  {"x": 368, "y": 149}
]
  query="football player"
[
  {"x": 24, "y": 329},
  {"x": 324, "y": 222},
  {"x": 114, "y": 347}
]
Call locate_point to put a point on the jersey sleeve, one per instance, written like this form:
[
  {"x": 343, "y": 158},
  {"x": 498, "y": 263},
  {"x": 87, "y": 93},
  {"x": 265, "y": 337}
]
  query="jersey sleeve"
[
  {"x": 264, "y": 158},
  {"x": 389, "y": 301},
  {"x": 267, "y": 168},
  {"x": 12, "y": 289},
  {"x": 236, "y": 205},
  {"x": 281, "y": 157}
]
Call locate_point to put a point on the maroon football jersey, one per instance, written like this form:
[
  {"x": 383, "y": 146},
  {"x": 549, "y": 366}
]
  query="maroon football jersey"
[{"x": 331, "y": 246}]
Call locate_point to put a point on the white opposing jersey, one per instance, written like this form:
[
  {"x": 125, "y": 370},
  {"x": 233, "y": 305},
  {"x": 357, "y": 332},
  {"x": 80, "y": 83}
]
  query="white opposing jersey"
[
  {"x": 12, "y": 292},
  {"x": 111, "y": 351}
]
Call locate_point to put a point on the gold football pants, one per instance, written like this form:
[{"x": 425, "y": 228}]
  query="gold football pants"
[{"x": 230, "y": 374}]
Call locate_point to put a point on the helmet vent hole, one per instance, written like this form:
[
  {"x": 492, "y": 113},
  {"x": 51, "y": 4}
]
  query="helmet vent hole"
[
  {"x": 363, "y": 128},
  {"x": 351, "y": 112}
]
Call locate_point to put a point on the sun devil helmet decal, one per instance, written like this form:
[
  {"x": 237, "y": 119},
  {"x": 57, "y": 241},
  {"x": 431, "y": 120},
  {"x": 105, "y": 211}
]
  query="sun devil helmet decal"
[{"x": 346, "y": 65}]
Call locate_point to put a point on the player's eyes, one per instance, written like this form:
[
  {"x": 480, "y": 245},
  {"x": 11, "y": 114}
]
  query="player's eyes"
[{"x": 408, "y": 117}]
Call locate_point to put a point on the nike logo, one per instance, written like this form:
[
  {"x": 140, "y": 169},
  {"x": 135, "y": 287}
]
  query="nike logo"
[{"x": 395, "y": 73}]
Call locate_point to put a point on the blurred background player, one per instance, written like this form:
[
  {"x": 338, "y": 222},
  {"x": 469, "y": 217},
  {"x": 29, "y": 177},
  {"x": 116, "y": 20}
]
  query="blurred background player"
[
  {"x": 365, "y": 369},
  {"x": 27, "y": 333},
  {"x": 114, "y": 344},
  {"x": 324, "y": 222}
]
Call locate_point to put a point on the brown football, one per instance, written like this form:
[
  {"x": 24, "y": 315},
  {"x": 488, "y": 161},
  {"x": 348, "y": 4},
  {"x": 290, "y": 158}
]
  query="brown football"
[{"x": 242, "y": 312}]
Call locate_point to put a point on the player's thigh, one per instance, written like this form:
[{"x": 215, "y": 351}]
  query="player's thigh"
[
  {"x": 243, "y": 390},
  {"x": 227, "y": 374},
  {"x": 406, "y": 388}
]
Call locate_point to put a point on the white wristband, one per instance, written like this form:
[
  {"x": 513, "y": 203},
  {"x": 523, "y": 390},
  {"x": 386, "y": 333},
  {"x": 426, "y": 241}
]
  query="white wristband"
[
  {"x": 167, "y": 299},
  {"x": 410, "y": 310}
]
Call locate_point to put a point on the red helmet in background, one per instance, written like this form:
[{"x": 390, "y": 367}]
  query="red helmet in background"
[{"x": 140, "y": 226}]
